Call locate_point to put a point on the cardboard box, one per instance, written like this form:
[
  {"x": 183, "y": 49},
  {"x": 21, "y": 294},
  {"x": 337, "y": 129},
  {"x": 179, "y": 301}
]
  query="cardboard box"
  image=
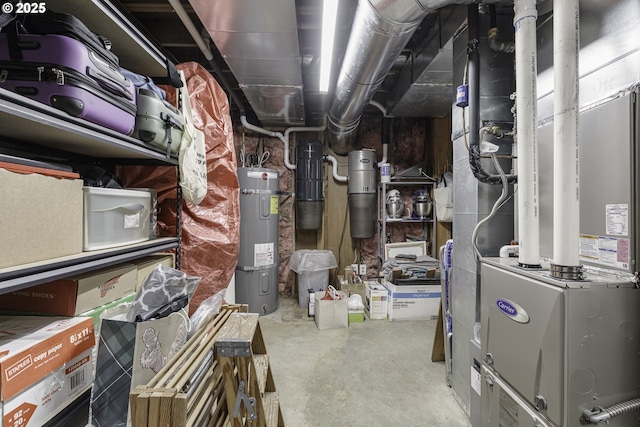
[
  {"x": 356, "y": 316},
  {"x": 331, "y": 314},
  {"x": 38, "y": 211},
  {"x": 31, "y": 347},
  {"x": 147, "y": 264},
  {"x": 375, "y": 300},
  {"x": 42, "y": 401},
  {"x": 413, "y": 302},
  {"x": 75, "y": 295},
  {"x": 97, "y": 312}
]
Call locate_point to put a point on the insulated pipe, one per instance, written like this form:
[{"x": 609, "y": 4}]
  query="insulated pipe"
[
  {"x": 566, "y": 191},
  {"x": 524, "y": 22}
]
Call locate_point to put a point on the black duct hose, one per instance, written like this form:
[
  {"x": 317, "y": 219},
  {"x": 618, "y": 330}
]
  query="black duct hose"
[
  {"x": 386, "y": 130},
  {"x": 474, "y": 102}
]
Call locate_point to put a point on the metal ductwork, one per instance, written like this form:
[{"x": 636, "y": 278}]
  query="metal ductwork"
[
  {"x": 381, "y": 28},
  {"x": 259, "y": 41}
]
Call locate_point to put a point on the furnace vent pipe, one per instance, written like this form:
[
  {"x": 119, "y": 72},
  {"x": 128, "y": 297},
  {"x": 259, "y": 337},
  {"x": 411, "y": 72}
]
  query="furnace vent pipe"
[
  {"x": 381, "y": 29},
  {"x": 566, "y": 191},
  {"x": 524, "y": 21}
]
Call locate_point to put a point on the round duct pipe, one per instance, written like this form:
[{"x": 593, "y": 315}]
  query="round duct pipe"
[
  {"x": 361, "y": 192},
  {"x": 309, "y": 194}
]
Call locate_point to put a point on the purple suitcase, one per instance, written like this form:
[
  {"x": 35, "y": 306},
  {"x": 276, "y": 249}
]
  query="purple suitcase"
[{"x": 62, "y": 72}]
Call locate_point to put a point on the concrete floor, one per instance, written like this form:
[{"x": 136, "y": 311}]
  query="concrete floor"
[{"x": 374, "y": 374}]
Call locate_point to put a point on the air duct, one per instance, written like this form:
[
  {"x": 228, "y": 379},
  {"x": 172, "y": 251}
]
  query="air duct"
[{"x": 381, "y": 28}]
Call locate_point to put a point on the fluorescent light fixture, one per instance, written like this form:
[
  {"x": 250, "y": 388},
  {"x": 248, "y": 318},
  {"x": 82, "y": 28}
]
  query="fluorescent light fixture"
[{"x": 329, "y": 12}]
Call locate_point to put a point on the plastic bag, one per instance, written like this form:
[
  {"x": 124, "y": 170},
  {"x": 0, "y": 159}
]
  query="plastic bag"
[
  {"x": 312, "y": 260},
  {"x": 165, "y": 291},
  {"x": 207, "y": 309},
  {"x": 443, "y": 198},
  {"x": 192, "y": 159}
]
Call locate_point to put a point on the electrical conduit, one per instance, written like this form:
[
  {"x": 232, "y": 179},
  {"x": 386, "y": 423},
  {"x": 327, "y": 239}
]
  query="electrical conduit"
[{"x": 527, "y": 141}]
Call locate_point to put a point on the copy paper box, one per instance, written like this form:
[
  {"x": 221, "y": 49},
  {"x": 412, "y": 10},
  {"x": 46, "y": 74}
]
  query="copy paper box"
[
  {"x": 375, "y": 300},
  {"x": 413, "y": 302},
  {"x": 74, "y": 295},
  {"x": 32, "y": 347},
  {"x": 42, "y": 401},
  {"x": 40, "y": 217}
]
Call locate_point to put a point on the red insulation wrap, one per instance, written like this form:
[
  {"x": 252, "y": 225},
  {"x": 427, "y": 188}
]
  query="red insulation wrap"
[{"x": 211, "y": 230}]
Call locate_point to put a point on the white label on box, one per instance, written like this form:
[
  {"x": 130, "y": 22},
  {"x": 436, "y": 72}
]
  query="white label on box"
[
  {"x": 263, "y": 254},
  {"x": 476, "y": 378},
  {"x": 618, "y": 220},
  {"x": 609, "y": 251},
  {"x": 132, "y": 220}
]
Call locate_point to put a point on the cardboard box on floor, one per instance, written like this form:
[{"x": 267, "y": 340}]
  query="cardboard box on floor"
[
  {"x": 75, "y": 295},
  {"x": 375, "y": 300},
  {"x": 413, "y": 302},
  {"x": 46, "y": 362},
  {"x": 38, "y": 211}
]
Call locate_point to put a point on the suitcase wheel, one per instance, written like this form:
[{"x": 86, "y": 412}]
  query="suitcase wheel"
[
  {"x": 72, "y": 106},
  {"x": 146, "y": 136}
]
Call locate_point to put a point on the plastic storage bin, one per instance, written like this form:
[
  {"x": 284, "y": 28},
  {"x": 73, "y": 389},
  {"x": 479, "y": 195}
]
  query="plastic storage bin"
[
  {"x": 114, "y": 217},
  {"x": 313, "y": 268}
]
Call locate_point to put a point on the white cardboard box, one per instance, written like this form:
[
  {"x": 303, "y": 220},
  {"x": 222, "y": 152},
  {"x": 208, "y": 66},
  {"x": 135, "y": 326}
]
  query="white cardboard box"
[
  {"x": 375, "y": 300},
  {"x": 413, "y": 302},
  {"x": 147, "y": 264},
  {"x": 45, "y": 363}
]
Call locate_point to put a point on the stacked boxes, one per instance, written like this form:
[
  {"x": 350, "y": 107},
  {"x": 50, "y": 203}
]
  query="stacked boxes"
[
  {"x": 413, "y": 302},
  {"x": 375, "y": 300},
  {"x": 46, "y": 363}
]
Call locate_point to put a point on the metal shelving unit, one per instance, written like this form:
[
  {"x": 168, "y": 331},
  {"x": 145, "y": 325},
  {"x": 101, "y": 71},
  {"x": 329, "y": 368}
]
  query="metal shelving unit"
[
  {"x": 35, "y": 127},
  {"x": 384, "y": 222}
]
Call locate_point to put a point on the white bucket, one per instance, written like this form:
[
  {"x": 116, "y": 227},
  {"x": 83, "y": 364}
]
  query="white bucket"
[{"x": 385, "y": 172}]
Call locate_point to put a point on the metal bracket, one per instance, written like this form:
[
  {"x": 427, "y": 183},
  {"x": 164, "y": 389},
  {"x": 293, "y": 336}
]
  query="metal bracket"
[
  {"x": 489, "y": 359},
  {"x": 249, "y": 403},
  {"x": 540, "y": 403}
]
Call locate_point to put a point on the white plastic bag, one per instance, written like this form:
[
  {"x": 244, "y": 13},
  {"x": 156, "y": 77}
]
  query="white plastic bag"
[
  {"x": 192, "y": 159},
  {"x": 443, "y": 198}
]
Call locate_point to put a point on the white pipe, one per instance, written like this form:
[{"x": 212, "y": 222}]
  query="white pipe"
[
  {"x": 334, "y": 162},
  {"x": 282, "y": 137},
  {"x": 508, "y": 251},
  {"x": 379, "y": 106},
  {"x": 566, "y": 197},
  {"x": 385, "y": 151},
  {"x": 188, "y": 23},
  {"x": 524, "y": 22}
]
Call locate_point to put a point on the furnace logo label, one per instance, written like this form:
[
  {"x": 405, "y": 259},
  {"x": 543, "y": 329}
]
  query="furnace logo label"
[{"x": 513, "y": 311}]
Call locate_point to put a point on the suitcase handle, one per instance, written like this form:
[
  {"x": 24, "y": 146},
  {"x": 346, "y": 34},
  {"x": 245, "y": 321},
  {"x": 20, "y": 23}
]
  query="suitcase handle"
[{"x": 109, "y": 84}]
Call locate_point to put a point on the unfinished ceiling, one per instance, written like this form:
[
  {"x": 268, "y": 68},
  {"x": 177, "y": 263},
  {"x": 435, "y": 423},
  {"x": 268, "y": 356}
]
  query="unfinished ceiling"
[{"x": 268, "y": 52}]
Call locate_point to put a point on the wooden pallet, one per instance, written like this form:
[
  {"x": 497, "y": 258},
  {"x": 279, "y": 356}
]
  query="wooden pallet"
[
  {"x": 189, "y": 390},
  {"x": 251, "y": 396}
]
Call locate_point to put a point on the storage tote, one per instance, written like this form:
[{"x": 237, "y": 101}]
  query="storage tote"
[{"x": 114, "y": 217}]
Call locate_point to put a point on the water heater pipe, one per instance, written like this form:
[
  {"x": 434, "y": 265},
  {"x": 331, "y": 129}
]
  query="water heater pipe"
[
  {"x": 282, "y": 137},
  {"x": 566, "y": 197},
  {"x": 524, "y": 21}
]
